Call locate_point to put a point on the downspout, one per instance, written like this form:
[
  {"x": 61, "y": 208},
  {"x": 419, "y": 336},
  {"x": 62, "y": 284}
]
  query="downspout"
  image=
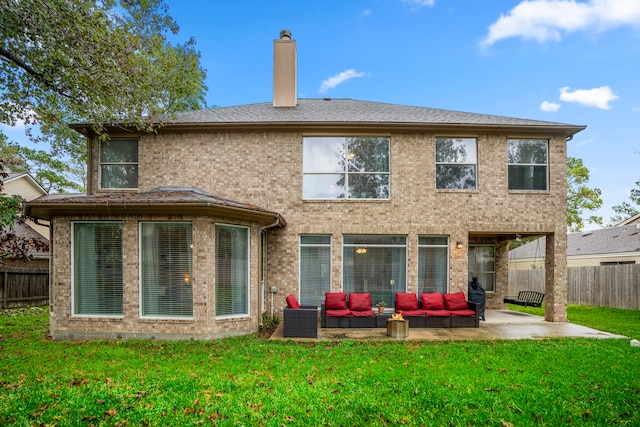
[{"x": 261, "y": 231}]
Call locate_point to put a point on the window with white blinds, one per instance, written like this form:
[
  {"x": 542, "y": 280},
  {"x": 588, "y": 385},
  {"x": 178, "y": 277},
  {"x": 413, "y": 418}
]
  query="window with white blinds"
[
  {"x": 315, "y": 269},
  {"x": 433, "y": 264},
  {"x": 97, "y": 268},
  {"x": 166, "y": 269},
  {"x": 232, "y": 270}
]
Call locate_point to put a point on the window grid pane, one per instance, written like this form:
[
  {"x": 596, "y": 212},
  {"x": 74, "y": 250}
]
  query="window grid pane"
[
  {"x": 232, "y": 270},
  {"x": 375, "y": 264},
  {"x": 119, "y": 163},
  {"x": 433, "y": 264},
  {"x": 166, "y": 269},
  {"x": 345, "y": 167},
  {"x": 315, "y": 269},
  {"x": 527, "y": 164},
  {"x": 456, "y": 162},
  {"x": 97, "y": 272},
  {"x": 482, "y": 265}
]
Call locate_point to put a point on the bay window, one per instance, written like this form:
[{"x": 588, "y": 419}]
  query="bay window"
[
  {"x": 166, "y": 269},
  {"x": 97, "y": 268},
  {"x": 232, "y": 270}
]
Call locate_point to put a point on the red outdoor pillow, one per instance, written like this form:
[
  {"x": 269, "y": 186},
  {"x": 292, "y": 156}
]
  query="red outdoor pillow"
[
  {"x": 406, "y": 301},
  {"x": 360, "y": 302},
  {"x": 335, "y": 301},
  {"x": 292, "y": 301},
  {"x": 456, "y": 301},
  {"x": 432, "y": 301}
]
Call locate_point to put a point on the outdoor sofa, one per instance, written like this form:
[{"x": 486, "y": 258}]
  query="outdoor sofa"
[
  {"x": 433, "y": 310},
  {"x": 300, "y": 321}
]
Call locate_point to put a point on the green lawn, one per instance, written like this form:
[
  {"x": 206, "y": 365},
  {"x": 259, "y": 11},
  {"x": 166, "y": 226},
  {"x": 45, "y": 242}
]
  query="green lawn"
[{"x": 249, "y": 381}]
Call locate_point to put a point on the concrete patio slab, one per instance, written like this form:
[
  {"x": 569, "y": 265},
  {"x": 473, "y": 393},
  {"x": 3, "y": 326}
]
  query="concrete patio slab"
[{"x": 500, "y": 324}]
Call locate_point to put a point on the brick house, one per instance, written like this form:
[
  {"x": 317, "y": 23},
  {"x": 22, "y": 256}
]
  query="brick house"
[{"x": 197, "y": 230}]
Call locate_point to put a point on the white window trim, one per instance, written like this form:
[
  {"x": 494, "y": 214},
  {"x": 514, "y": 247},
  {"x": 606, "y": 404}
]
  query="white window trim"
[
  {"x": 215, "y": 268},
  {"x": 355, "y": 245},
  {"x": 546, "y": 165},
  {"x": 475, "y": 165},
  {"x": 448, "y": 247},
  {"x": 318, "y": 245},
  {"x": 73, "y": 276},
  {"x": 346, "y": 173},
  {"x": 140, "y": 291},
  {"x": 101, "y": 163}
]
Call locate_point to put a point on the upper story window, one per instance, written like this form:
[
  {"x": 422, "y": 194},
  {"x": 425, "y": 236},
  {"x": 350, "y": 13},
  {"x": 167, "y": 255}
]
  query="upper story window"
[
  {"x": 119, "y": 163},
  {"x": 456, "y": 162},
  {"x": 345, "y": 167},
  {"x": 528, "y": 162}
]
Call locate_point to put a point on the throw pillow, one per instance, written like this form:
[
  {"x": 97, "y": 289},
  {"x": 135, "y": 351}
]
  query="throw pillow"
[
  {"x": 292, "y": 301},
  {"x": 335, "y": 301},
  {"x": 360, "y": 302},
  {"x": 406, "y": 301},
  {"x": 456, "y": 301},
  {"x": 432, "y": 301}
]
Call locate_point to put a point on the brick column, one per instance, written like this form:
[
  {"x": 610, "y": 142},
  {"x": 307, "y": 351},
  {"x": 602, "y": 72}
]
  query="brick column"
[{"x": 556, "y": 278}]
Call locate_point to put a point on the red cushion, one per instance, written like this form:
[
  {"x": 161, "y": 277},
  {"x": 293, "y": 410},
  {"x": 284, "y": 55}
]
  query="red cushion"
[
  {"x": 338, "y": 313},
  {"x": 413, "y": 313},
  {"x": 432, "y": 301},
  {"x": 406, "y": 301},
  {"x": 363, "y": 313},
  {"x": 455, "y": 301},
  {"x": 465, "y": 313},
  {"x": 438, "y": 313},
  {"x": 292, "y": 301},
  {"x": 360, "y": 302},
  {"x": 335, "y": 301}
]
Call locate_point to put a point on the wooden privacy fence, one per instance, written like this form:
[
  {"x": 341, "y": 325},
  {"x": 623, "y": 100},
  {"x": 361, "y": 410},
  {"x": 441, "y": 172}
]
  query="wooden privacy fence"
[
  {"x": 20, "y": 287},
  {"x": 616, "y": 286}
]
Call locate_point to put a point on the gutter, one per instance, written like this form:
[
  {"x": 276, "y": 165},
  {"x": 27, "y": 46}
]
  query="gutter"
[{"x": 262, "y": 230}]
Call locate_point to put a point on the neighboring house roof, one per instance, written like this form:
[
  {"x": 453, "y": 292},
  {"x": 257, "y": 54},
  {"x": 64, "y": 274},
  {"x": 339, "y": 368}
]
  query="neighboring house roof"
[
  {"x": 13, "y": 176},
  {"x": 633, "y": 220},
  {"x": 336, "y": 112},
  {"x": 611, "y": 240},
  {"x": 25, "y": 231},
  {"x": 166, "y": 199}
]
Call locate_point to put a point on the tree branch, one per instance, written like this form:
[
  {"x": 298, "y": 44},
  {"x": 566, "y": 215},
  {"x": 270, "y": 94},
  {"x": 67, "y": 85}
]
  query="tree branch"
[{"x": 29, "y": 70}]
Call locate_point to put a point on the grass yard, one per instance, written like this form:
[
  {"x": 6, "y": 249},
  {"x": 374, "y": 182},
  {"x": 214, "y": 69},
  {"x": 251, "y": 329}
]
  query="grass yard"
[{"x": 250, "y": 381}]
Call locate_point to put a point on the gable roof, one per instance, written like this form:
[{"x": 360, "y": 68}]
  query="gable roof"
[
  {"x": 611, "y": 240},
  {"x": 14, "y": 176},
  {"x": 348, "y": 112},
  {"x": 178, "y": 200}
]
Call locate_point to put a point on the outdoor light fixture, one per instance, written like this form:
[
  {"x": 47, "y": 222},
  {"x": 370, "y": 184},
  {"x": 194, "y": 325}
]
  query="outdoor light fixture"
[
  {"x": 361, "y": 250},
  {"x": 458, "y": 244}
]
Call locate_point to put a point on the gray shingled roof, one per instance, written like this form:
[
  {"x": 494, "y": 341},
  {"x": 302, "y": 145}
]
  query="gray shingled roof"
[
  {"x": 594, "y": 242},
  {"x": 348, "y": 111}
]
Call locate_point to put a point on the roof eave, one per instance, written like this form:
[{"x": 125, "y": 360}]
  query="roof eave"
[
  {"x": 49, "y": 210},
  {"x": 554, "y": 129}
]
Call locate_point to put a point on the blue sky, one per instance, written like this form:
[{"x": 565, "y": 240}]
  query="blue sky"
[{"x": 567, "y": 61}]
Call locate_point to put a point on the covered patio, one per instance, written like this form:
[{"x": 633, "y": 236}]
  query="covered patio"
[{"x": 500, "y": 324}]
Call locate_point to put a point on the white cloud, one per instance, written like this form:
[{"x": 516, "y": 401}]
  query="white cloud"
[
  {"x": 549, "y": 107},
  {"x": 544, "y": 20},
  {"x": 598, "y": 97},
  {"x": 636, "y": 109},
  {"x": 334, "y": 81},
  {"x": 366, "y": 12},
  {"x": 420, "y": 3}
]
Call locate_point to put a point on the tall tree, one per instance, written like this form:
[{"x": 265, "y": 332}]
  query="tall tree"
[
  {"x": 627, "y": 209},
  {"x": 103, "y": 62},
  {"x": 580, "y": 198}
]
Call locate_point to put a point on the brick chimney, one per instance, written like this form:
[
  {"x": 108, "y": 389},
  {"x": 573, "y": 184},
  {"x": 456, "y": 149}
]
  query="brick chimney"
[{"x": 285, "y": 74}]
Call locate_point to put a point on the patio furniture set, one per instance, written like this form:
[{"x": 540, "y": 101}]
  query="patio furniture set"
[{"x": 339, "y": 310}]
